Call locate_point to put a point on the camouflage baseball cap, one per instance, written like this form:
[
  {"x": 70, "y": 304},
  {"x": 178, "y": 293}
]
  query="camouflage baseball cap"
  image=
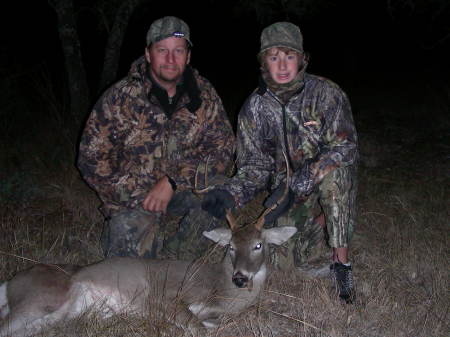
[
  {"x": 282, "y": 34},
  {"x": 166, "y": 27}
]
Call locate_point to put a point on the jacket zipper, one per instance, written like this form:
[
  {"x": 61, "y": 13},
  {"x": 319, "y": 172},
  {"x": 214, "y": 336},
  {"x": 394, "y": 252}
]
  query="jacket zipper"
[
  {"x": 286, "y": 144},
  {"x": 284, "y": 129}
]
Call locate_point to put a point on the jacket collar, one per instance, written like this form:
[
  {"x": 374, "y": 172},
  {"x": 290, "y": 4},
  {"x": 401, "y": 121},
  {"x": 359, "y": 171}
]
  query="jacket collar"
[
  {"x": 192, "y": 90},
  {"x": 263, "y": 86},
  {"x": 188, "y": 86}
]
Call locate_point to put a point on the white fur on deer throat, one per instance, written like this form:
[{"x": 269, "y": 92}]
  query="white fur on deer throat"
[
  {"x": 258, "y": 279},
  {"x": 4, "y": 307}
]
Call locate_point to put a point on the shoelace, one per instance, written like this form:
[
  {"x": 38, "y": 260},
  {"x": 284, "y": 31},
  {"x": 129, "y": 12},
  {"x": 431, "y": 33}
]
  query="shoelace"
[
  {"x": 344, "y": 277},
  {"x": 348, "y": 279}
]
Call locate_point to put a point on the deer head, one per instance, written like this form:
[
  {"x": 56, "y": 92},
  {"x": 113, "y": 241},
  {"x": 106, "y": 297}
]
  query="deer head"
[{"x": 248, "y": 245}]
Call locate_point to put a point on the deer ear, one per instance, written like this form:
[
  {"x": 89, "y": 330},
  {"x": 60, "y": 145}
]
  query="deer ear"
[
  {"x": 222, "y": 236},
  {"x": 279, "y": 235}
]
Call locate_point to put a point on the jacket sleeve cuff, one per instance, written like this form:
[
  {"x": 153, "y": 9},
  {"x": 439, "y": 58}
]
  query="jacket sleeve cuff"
[{"x": 172, "y": 183}]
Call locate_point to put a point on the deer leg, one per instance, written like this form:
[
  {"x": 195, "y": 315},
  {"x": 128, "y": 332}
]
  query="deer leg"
[
  {"x": 186, "y": 320},
  {"x": 209, "y": 315},
  {"x": 23, "y": 324},
  {"x": 30, "y": 299}
]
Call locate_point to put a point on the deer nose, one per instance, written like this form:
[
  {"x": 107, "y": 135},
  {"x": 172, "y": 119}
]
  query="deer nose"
[{"x": 240, "y": 280}]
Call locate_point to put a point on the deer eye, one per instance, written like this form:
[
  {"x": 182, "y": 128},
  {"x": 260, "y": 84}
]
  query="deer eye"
[{"x": 258, "y": 246}]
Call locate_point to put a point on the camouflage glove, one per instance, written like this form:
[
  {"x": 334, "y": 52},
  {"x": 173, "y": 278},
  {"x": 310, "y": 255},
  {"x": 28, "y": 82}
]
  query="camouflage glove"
[
  {"x": 216, "y": 202},
  {"x": 302, "y": 182},
  {"x": 284, "y": 205},
  {"x": 182, "y": 202}
]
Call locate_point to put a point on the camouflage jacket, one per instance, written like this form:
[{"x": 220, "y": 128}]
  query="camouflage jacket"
[
  {"x": 315, "y": 126},
  {"x": 130, "y": 141}
]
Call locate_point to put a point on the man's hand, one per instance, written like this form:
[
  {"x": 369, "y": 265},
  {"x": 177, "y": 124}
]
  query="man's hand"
[
  {"x": 216, "y": 202},
  {"x": 284, "y": 204},
  {"x": 159, "y": 196}
]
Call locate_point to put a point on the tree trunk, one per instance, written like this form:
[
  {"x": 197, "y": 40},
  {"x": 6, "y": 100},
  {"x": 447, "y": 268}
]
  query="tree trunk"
[
  {"x": 76, "y": 74},
  {"x": 114, "y": 43}
]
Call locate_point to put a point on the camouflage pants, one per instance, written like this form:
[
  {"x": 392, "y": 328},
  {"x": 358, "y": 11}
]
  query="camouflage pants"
[
  {"x": 335, "y": 198},
  {"x": 138, "y": 233}
]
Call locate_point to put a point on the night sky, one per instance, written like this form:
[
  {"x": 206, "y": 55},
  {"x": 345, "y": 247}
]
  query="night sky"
[{"x": 354, "y": 43}]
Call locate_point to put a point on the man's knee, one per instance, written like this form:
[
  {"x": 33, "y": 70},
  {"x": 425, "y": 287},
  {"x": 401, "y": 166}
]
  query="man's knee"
[
  {"x": 188, "y": 242},
  {"x": 130, "y": 233}
]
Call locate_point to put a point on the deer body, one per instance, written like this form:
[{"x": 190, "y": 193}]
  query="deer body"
[{"x": 45, "y": 294}]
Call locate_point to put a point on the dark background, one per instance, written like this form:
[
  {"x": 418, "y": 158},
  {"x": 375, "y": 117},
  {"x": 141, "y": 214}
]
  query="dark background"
[{"x": 373, "y": 53}]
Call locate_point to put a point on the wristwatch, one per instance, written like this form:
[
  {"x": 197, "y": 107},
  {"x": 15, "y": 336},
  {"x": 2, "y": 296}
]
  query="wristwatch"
[{"x": 172, "y": 183}]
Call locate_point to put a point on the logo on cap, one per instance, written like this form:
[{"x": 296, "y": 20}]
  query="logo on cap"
[{"x": 178, "y": 34}]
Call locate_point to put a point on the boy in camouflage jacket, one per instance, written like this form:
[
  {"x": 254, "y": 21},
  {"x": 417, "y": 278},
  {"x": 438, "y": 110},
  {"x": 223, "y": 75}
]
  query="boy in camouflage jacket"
[
  {"x": 310, "y": 120},
  {"x": 143, "y": 142}
]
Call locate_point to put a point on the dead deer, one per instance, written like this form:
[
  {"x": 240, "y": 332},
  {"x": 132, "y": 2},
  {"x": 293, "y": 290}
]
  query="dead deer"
[
  {"x": 199, "y": 293},
  {"x": 46, "y": 294}
]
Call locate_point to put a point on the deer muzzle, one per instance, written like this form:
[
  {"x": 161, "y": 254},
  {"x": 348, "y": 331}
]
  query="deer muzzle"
[{"x": 240, "y": 280}]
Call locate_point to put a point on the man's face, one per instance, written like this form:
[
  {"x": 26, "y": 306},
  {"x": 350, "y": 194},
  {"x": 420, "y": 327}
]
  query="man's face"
[
  {"x": 168, "y": 59},
  {"x": 282, "y": 65}
]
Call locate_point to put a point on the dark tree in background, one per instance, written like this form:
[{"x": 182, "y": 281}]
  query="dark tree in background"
[
  {"x": 74, "y": 67},
  {"x": 113, "y": 17},
  {"x": 121, "y": 15}
]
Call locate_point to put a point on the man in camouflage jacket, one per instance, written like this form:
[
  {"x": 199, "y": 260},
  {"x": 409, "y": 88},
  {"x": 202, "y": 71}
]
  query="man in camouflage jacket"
[
  {"x": 144, "y": 141},
  {"x": 309, "y": 119}
]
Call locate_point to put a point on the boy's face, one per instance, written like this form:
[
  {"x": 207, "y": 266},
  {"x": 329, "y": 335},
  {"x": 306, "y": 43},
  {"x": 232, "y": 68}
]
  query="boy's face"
[{"x": 282, "y": 65}]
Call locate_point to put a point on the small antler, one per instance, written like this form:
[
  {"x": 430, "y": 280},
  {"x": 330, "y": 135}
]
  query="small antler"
[
  {"x": 260, "y": 222},
  {"x": 231, "y": 219},
  {"x": 196, "y": 190}
]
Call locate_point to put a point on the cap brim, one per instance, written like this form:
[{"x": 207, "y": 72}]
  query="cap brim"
[
  {"x": 285, "y": 45},
  {"x": 167, "y": 36}
]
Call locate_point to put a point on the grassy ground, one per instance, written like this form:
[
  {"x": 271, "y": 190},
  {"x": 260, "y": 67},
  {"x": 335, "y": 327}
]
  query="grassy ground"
[{"x": 400, "y": 250}]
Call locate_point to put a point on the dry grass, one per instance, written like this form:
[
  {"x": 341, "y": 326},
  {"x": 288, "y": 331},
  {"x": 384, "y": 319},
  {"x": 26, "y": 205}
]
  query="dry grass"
[
  {"x": 400, "y": 256},
  {"x": 62, "y": 226},
  {"x": 400, "y": 253}
]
